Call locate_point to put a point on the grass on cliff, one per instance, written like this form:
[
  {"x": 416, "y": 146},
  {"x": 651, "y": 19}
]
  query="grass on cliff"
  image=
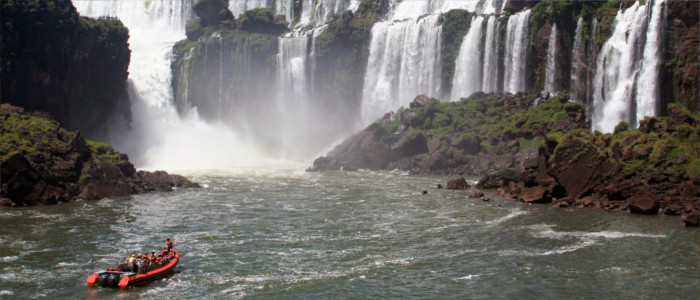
[
  {"x": 30, "y": 133},
  {"x": 480, "y": 123},
  {"x": 673, "y": 149}
]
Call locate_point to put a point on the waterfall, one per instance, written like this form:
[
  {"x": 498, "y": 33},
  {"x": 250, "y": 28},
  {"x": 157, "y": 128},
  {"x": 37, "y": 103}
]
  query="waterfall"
[
  {"x": 647, "y": 90},
  {"x": 468, "y": 71},
  {"x": 576, "y": 63},
  {"x": 490, "y": 74},
  {"x": 627, "y": 68},
  {"x": 515, "y": 59},
  {"x": 238, "y": 7},
  {"x": 320, "y": 12},
  {"x": 590, "y": 71},
  {"x": 550, "y": 68},
  {"x": 403, "y": 62},
  {"x": 158, "y": 136}
]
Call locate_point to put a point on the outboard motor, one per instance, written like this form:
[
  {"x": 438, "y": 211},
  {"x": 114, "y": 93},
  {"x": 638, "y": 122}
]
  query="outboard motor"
[
  {"x": 104, "y": 279},
  {"x": 114, "y": 279}
]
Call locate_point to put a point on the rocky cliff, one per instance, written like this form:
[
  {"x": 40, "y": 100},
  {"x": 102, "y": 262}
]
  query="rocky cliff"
[
  {"x": 44, "y": 164},
  {"x": 71, "y": 67},
  {"x": 650, "y": 170},
  {"x": 476, "y": 136}
]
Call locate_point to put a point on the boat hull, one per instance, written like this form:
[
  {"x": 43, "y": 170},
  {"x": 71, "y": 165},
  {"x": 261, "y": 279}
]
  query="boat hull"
[{"x": 127, "y": 279}]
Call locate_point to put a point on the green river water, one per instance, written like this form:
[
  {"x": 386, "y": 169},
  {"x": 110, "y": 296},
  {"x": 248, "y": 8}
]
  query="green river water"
[{"x": 283, "y": 233}]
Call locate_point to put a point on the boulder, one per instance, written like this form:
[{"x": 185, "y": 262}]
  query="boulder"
[
  {"x": 498, "y": 179},
  {"x": 457, "y": 184},
  {"x": 643, "y": 204},
  {"x": 103, "y": 180},
  {"x": 22, "y": 185},
  {"x": 476, "y": 195},
  {"x": 578, "y": 165},
  {"x": 212, "y": 12},
  {"x": 420, "y": 101},
  {"x": 533, "y": 195},
  {"x": 692, "y": 219}
]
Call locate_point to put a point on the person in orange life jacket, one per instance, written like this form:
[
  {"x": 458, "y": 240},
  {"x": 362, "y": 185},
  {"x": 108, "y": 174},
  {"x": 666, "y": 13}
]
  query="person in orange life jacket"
[{"x": 169, "y": 244}]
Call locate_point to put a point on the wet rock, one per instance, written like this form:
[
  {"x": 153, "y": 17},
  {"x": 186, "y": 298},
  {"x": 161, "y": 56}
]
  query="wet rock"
[
  {"x": 439, "y": 186},
  {"x": 457, "y": 184},
  {"x": 476, "y": 195},
  {"x": 499, "y": 179},
  {"x": 692, "y": 219},
  {"x": 533, "y": 195},
  {"x": 419, "y": 101},
  {"x": 643, "y": 204}
]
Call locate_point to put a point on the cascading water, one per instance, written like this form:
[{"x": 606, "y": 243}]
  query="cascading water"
[
  {"x": 627, "y": 68},
  {"x": 647, "y": 90},
  {"x": 238, "y": 7},
  {"x": 320, "y": 12},
  {"x": 468, "y": 66},
  {"x": 515, "y": 59},
  {"x": 550, "y": 68},
  {"x": 590, "y": 71},
  {"x": 159, "y": 137},
  {"x": 490, "y": 74},
  {"x": 403, "y": 62},
  {"x": 577, "y": 58}
]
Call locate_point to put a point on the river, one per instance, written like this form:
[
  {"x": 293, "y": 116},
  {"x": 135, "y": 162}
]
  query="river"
[{"x": 284, "y": 233}]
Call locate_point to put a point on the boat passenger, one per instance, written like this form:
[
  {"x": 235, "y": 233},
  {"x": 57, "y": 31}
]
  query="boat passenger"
[
  {"x": 152, "y": 257},
  {"x": 134, "y": 263},
  {"x": 169, "y": 244}
]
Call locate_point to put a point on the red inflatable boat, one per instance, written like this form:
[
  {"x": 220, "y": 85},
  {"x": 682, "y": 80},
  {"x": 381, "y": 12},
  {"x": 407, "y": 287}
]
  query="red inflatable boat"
[{"x": 126, "y": 279}]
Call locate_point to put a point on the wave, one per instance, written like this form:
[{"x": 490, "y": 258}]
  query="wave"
[{"x": 505, "y": 218}]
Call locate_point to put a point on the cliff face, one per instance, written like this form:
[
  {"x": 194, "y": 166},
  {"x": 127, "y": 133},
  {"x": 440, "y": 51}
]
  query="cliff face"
[
  {"x": 681, "y": 74},
  {"x": 71, "y": 67},
  {"x": 43, "y": 163},
  {"x": 650, "y": 170}
]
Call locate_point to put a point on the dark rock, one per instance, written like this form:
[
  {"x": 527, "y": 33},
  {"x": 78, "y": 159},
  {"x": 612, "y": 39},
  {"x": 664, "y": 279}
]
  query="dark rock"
[
  {"x": 530, "y": 157},
  {"x": 692, "y": 219},
  {"x": 104, "y": 180},
  {"x": 476, "y": 195},
  {"x": 79, "y": 145},
  {"x": 209, "y": 12},
  {"x": 324, "y": 163},
  {"x": 457, "y": 184},
  {"x": 22, "y": 185},
  {"x": 643, "y": 204},
  {"x": 533, "y": 195},
  {"x": 424, "y": 192},
  {"x": 439, "y": 186},
  {"x": 498, "y": 179},
  {"x": 126, "y": 167},
  {"x": 579, "y": 165},
  {"x": 419, "y": 101},
  {"x": 409, "y": 144},
  {"x": 486, "y": 199}
]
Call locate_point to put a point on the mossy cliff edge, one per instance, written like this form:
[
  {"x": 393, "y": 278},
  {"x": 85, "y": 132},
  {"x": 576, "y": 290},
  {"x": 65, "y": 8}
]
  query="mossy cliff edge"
[
  {"x": 650, "y": 170},
  {"x": 43, "y": 163}
]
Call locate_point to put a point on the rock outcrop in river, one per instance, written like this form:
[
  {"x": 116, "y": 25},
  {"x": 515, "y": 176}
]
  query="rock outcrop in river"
[
  {"x": 44, "y": 164},
  {"x": 650, "y": 170},
  {"x": 479, "y": 135}
]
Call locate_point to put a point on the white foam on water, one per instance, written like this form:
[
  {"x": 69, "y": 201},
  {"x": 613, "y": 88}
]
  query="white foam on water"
[
  {"x": 6, "y": 293},
  {"x": 511, "y": 215},
  {"x": 583, "y": 239},
  {"x": 9, "y": 258},
  {"x": 468, "y": 277}
]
